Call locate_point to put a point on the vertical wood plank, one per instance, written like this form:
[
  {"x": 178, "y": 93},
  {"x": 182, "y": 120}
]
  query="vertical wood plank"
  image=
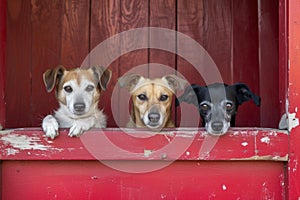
[
  {"x": 294, "y": 97},
  {"x": 163, "y": 15},
  {"x": 105, "y": 23},
  {"x": 217, "y": 35},
  {"x": 245, "y": 57},
  {"x": 190, "y": 21},
  {"x": 269, "y": 69},
  {"x": 75, "y": 32},
  {"x": 46, "y": 53},
  {"x": 283, "y": 55},
  {"x": 3, "y": 6},
  {"x": 134, "y": 14},
  {"x": 18, "y": 65}
]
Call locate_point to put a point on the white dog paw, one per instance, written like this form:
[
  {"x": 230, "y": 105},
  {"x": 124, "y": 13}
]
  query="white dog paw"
[
  {"x": 50, "y": 126},
  {"x": 78, "y": 129}
]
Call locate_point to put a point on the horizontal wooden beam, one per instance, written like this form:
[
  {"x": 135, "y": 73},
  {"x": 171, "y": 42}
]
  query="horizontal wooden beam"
[{"x": 133, "y": 144}]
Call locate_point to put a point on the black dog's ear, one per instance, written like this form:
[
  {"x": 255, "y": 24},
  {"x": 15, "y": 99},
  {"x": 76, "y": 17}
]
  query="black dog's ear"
[
  {"x": 52, "y": 77},
  {"x": 189, "y": 96},
  {"x": 243, "y": 94}
]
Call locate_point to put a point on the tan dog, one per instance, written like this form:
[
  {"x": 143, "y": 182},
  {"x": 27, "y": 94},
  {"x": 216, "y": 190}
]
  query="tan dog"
[
  {"x": 152, "y": 99},
  {"x": 78, "y": 92}
]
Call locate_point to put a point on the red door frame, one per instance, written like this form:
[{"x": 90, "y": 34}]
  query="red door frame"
[{"x": 293, "y": 96}]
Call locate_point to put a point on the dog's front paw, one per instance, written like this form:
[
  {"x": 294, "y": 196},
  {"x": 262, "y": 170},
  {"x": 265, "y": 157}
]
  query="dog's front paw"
[
  {"x": 50, "y": 126},
  {"x": 78, "y": 129}
]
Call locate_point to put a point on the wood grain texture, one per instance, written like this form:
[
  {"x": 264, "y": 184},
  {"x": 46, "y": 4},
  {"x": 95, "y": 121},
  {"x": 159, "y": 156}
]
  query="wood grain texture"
[
  {"x": 47, "y": 24},
  {"x": 246, "y": 58},
  {"x": 190, "y": 19},
  {"x": 64, "y": 32},
  {"x": 105, "y": 23},
  {"x": 75, "y": 32},
  {"x": 268, "y": 52},
  {"x": 134, "y": 14},
  {"x": 18, "y": 64}
]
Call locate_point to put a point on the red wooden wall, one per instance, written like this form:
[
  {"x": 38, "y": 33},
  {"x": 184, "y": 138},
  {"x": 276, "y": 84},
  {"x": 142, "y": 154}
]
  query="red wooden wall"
[
  {"x": 2, "y": 61},
  {"x": 240, "y": 35}
]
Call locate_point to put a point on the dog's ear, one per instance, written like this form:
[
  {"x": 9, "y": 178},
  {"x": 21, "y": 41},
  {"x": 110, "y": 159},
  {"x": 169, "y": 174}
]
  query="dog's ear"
[
  {"x": 102, "y": 75},
  {"x": 174, "y": 82},
  {"x": 52, "y": 77},
  {"x": 129, "y": 81},
  {"x": 190, "y": 95},
  {"x": 243, "y": 94}
]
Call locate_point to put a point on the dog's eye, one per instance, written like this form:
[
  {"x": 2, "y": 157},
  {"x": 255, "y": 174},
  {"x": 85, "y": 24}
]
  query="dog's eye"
[
  {"x": 163, "y": 97},
  {"x": 204, "y": 106},
  {"x": 68, "y": 89},
  {"x": 142, "y": 97},
  {"x": 89, "y": 88},
  {"x": 229, "y": 106}
]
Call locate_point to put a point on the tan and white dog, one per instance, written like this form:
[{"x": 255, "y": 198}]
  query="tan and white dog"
[
  {"x": 152, "y": 100},
  {"x": 78, "y": 92}
]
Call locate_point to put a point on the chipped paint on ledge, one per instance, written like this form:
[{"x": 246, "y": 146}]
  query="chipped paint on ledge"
[
  {"x": 266, "y": 157},
  {"x": 17, "y": 143}
]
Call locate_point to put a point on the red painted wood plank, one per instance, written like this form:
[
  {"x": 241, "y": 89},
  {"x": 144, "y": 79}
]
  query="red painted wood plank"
[
  {"x": 105, "y": 23},
  {"x": 3, "y": 7},
  {"x": 283, "y": 55},
  {"x": 46, "y": 48},
  {"x": 181, "y": 180},
  {"x": 190, "y": 18},
  {"x": 129, "y": 144},
  {"x": 18, "y": 64},
  {"x": 245, "y": 57},
  {"x": 269, "y": 69},
  {"x": 134, "y": 14},
  {"x": 294, "y": 97}
]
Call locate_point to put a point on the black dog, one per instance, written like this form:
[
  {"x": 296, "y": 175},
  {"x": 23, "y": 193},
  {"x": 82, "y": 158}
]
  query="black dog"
[{"x": 218, "y": 104}]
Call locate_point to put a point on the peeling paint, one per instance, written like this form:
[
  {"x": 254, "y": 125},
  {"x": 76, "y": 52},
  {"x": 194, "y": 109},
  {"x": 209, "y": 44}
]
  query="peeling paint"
[
  {"x": 147, "y": 153},
  {"x": 224, "y": 187},
  {"x": 267, "y": 157},
  {"x": 244, "y": 144},
  {"x": 17, "y": 143},
  {"x": 265, "y": 140},
  {"x": 24, "y": 142}
]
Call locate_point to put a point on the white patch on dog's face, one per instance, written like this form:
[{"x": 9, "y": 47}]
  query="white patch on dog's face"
[
  {"x": 79, "y": 98},
  {"x": 78, "y": 94}
]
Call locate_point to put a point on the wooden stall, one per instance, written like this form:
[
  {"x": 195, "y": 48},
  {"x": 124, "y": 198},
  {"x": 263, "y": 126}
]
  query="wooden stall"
[{"x": 254, "y": 42}]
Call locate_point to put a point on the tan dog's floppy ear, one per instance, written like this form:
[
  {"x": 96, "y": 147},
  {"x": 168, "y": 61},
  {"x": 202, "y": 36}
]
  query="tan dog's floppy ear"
[
  {"x": 102, "y": 75},
  {"x": 175, "y": 82},
  {"x": 129, "y": 81},
  {"x": 52, "y": 76}
]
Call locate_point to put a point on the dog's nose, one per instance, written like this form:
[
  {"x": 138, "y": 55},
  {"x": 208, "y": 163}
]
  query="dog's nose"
[
  {"x": 79, "y": 107},
  {"x": 217, "y": 126},
  {"x": 154, "y": 117}
]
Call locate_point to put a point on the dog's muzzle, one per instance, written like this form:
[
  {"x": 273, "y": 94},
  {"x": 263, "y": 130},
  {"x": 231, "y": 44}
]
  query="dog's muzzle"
[
  {"x": 79, "y": 108},
  {"x": 153, "y": 118}
]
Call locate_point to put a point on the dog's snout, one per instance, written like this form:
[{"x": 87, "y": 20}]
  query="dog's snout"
[
  {"x": 154, "y": 117},
  {"x": 79, "y": 107},
  {"x": 217, "y": 126}
]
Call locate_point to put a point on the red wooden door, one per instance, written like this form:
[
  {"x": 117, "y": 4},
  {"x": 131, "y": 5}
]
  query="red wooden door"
[{"x": 250, "y": 41}]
